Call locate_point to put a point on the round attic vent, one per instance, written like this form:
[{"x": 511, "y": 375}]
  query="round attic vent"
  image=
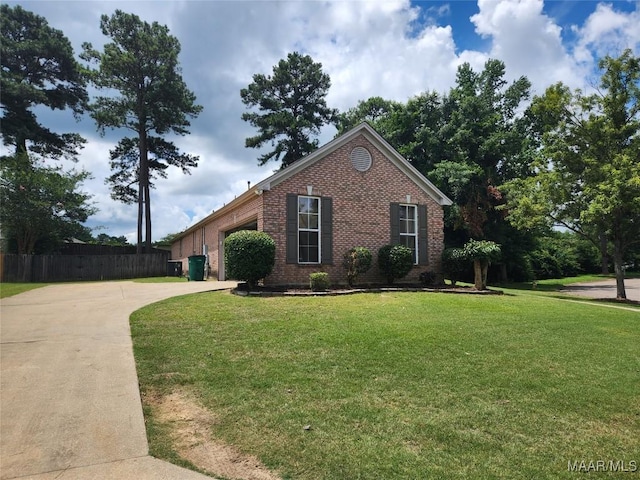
[{"x": 361, "y": 159}]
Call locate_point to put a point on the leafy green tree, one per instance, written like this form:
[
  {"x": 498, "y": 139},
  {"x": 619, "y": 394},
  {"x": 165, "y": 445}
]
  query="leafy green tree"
[
  {"x": 588, "y": 172},
  {"x": 374, "y": 110},
  {"x": 470, "y": 142},
  {"x": 412, "y": 128},
  {"x": 486, "y": 144},
  {"x": 38, "y": 69},
  {"x": 105, "y": 239},
  {"x": 41, "y": 203},
  {"x": 166, "y": 241},
  {"x": 291, "y": 107},
  {"x": 141, "y": 65},
  {"x": 482, "y": 253}
]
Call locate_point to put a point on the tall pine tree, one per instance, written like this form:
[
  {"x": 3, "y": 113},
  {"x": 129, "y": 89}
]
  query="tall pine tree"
[
  {"x": 139, "y": 68},
  {"x": 291, "y": 107}
]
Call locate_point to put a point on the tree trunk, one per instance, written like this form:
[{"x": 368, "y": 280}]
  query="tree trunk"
[
  {"x": 26, "y": 243},
  {"x": 478, "y": 275},
  {"x": 618, "y": 258},
  {"x": 143, "y": 182},
  {"x": 147, "y": 213},
  {"x": 140, "y": 207},
  {"x": 604, "y": 256},
  {"x": 485, "y": 271}
]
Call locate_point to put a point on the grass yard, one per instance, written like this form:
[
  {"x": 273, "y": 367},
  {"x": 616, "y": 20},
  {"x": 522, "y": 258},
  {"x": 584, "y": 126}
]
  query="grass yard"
[
  {"x": 11, "y": 289},
  {"x": 400, "y": 385}
]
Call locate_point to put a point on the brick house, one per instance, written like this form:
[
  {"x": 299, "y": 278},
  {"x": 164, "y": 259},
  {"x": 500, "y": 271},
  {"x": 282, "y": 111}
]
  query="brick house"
[{"x": 354, "y": 191}]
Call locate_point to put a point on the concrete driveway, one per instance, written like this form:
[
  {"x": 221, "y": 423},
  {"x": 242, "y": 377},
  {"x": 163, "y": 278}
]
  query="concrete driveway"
[
  {"x": 605, "y": 289},
  {"x": 69, "y": 401}
]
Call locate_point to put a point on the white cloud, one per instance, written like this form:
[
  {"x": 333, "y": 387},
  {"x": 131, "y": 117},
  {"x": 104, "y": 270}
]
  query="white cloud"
[
  {"x": 393, "y": 49},
  {"x": 607, "y": 32},
  {"x": 527, "y": 41}
]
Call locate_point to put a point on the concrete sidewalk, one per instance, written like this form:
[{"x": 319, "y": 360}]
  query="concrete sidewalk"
[
  {"x": 604, "y": 289},
  {"x": 69, "y": 401}
]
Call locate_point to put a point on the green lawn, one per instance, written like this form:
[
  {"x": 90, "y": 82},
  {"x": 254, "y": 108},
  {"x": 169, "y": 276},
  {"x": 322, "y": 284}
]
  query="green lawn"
[
  {"x": 160, "y": 280},
  {"x": 401, "y": 385},
  {"x": 10, "y": 289}
]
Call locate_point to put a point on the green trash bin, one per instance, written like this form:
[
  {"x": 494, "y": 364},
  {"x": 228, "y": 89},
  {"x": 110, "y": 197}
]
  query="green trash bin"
[{"x": 196, "y": 267}]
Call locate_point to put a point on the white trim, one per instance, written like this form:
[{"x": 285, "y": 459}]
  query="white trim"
[
  {"x": 380, "y": 143},
  {"x": 363, "y": 129},
  {"x": 416, "y": 259},
  {"x": 315, "y": 230}
]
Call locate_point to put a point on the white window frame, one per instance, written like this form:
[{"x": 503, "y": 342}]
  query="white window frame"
[
  {"x": 403, "y": 224},
  {"x": 317, "y": 230}
]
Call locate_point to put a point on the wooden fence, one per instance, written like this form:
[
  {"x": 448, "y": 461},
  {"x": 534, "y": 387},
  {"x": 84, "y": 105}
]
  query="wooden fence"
[{"x": 70, "y": 268}]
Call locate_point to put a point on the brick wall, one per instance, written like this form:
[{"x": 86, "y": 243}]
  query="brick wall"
[
  {"x": 360, "y": 213},
  {"x": 360, "y": 216},
  {"x": 249, "y": 209}
]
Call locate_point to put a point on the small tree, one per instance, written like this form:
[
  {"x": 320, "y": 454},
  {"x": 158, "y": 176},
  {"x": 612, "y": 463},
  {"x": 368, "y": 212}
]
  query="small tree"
[
  {"x": 249, "y": 255},
  {"x": 357, "y": 260},
  {"x": 482, "y": 253},
  {"x": 395, "y": 261},
  {"x": 40, "y": 203}
]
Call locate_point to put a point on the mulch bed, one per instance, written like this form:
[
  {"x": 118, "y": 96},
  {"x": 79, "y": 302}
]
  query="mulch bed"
[{"x": 296, "y": 291}]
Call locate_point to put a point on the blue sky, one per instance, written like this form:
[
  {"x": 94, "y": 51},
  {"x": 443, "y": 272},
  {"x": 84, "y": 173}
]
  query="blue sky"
[{"x": 392, "y": 48}]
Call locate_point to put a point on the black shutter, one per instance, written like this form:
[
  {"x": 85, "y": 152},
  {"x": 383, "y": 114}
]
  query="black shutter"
[
  {"x": 395, "y": 223},
  {"x": 292, "y": 228},
  {"x": 326, "y": 225},
  {"x": 423, "y": 254}
]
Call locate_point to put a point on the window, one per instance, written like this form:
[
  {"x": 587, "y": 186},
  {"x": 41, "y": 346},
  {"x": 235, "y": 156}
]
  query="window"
[
  {"x": 308, "y": 229},
  {"x": 409, "y": 229}
]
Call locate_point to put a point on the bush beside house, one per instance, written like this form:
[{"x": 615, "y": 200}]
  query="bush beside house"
[
  {"x": 395, "y": 261},
  {"x": 249, "y": 255}
]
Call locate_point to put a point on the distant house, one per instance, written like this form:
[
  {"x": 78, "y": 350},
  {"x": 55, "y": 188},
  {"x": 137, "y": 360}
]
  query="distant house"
[{"x": 356, "y": 190}]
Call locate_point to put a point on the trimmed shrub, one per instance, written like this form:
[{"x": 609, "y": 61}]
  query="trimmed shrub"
[
  {"x": 395, "y": 261},
  {"x": 357, "y": 260},
  {"x": 431, "y": 279},
  {"x": 249, "y": 255},
  {"x": 454, "y": 264},
  {"x": 319, "y": 281}
]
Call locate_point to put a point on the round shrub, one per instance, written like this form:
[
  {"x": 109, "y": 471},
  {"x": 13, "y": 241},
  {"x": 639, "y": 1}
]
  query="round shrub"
[
  {"x": 454, "y": 263},
  {"x": 319, "y": 281},
  {"x": 395, "y": 261},
  {"x": 249, "y": 255},
  {"x": 357, "y": 260}
]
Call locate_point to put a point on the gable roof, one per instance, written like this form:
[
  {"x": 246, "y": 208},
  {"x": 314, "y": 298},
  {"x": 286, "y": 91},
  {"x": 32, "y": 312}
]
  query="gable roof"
[
  {"x": 362, "y": 129},
  {"x": 380, "y": 143}
]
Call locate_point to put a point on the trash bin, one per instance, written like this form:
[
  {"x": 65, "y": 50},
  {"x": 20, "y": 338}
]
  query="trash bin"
[
  {"x": 174, "y": 269},
  {"x": 196, "y": 267}
]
